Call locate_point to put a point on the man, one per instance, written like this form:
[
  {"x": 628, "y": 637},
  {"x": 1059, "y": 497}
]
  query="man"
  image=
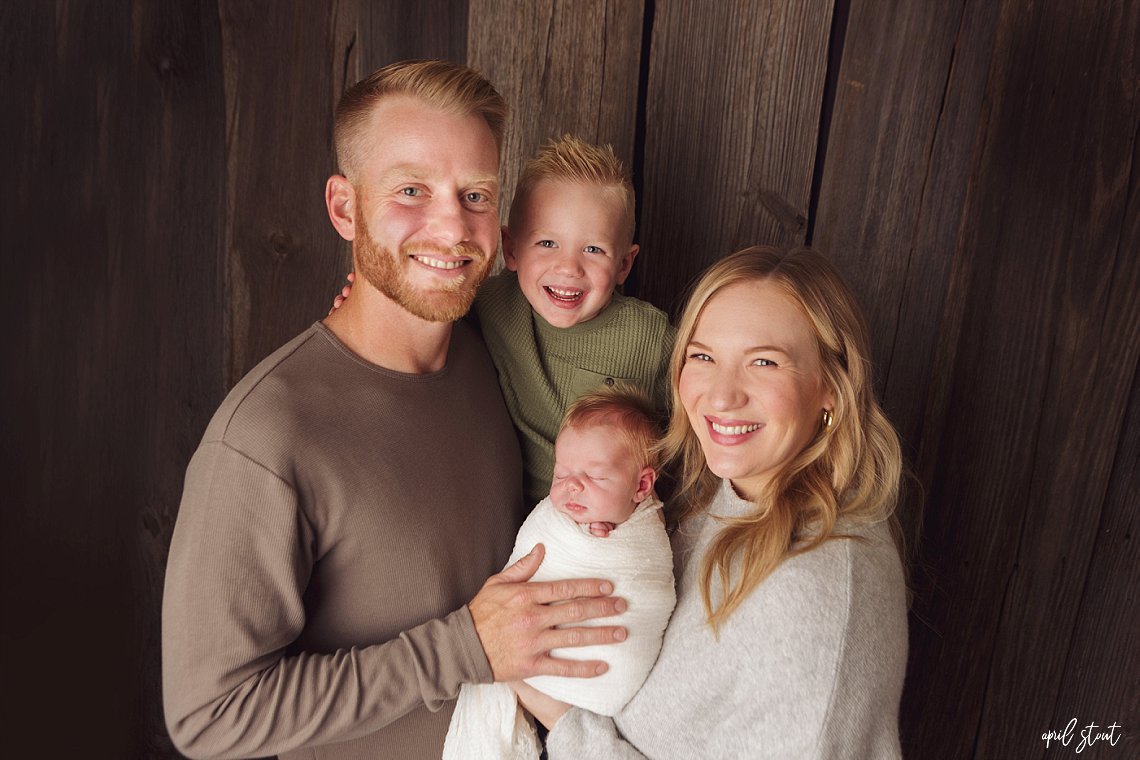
[{"x": 353, "y": 489}]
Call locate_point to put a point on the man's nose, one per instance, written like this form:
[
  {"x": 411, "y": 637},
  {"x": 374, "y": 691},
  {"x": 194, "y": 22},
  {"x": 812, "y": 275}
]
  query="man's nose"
[{"x": 448, "y": 223}]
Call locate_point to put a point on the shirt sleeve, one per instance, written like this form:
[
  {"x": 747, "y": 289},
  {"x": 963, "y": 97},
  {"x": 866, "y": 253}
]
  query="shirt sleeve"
[
  {"x": 580, "y": 731},
  {"x": 240, "y": 560}
]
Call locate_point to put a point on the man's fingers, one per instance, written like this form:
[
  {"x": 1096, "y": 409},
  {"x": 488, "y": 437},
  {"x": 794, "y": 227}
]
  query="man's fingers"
[
  {"x": 523, "y": 569},
  {"x": 579, "y": 610},
  {"x": 564, "y": 591},
  {"x": 556, "y": 666},
  {"x": 582, "y": 636}
]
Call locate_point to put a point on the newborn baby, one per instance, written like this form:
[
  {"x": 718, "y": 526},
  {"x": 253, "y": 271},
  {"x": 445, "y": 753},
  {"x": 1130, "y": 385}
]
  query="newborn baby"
[
  {"x": 601, "y": 520},
  {"x": 602, "y": 469}
]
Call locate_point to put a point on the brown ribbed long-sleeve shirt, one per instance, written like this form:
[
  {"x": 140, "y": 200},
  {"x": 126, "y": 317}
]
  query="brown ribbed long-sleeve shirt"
[{"x": 336, "y": 519}]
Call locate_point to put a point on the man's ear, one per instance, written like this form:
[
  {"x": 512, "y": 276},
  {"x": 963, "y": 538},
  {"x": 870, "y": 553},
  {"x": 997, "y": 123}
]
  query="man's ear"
[
  {"x": 627, "y": 264},
  {"x": 340, "y": 200},
  {"x": 645, "y": 483},
  {"x": 509, "y": 250}
]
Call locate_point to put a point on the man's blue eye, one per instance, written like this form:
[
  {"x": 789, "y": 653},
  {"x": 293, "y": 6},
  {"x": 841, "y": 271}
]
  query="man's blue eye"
[
  {"x": 476, "y": 197},
  {"x": 411, "y": 192}
]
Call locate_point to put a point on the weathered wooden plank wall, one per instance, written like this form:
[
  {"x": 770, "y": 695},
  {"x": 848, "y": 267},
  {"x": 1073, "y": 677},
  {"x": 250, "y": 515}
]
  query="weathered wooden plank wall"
[
  {"x": 976, "y": 180},
  {"x": 564, "y": 66},
  {"x": 979, "y": 189},
  {"x": 732, "y": 117},
  {"x": 111, "y": 267}
]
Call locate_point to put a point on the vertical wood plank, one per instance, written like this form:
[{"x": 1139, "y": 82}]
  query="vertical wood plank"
[
  {"x": 1082, "y": 224},
  {"x": 114, "y": 267},
  {"x": 901, "y": 153},
  {"x": 898, "y": 156},
  {"x": 1029, "y": 330},
  {"x": 983, "y": 227},
  {"x": 731, "y": 121},
  {"x": 563, "y": 67},
  {"x": 282, "y": 62},
  {"x": 395, "y": 31},
  {"x": 1101, "y": 671}
]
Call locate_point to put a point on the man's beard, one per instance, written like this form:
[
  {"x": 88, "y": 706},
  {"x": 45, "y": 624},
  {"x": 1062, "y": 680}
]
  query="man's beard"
[{"x": 387, "y": 272}]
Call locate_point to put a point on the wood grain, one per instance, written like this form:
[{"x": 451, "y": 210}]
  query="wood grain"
[
  {"x": 563, "y": 67},
  {"x": 731, "y": 119},
  {"x": 164, "y": 230},
  {"x": 1100, "y": 670},
  {"x": 118, "y": 284},
  {"x": 1080, "y": 220},
  {"x": 280, "y": 62}
]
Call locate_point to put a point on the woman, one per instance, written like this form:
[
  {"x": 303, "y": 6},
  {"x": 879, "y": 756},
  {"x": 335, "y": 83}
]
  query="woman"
[{"x": 789, "y": 637}]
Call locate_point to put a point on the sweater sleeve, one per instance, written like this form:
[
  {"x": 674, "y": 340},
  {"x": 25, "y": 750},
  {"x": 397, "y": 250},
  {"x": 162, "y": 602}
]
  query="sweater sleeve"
[{"x": 240, "y": 561}]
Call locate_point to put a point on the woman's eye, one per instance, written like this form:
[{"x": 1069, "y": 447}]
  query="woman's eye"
[
  {"x": 697, "y": 356},
  {"x": 765, "y": 363}
]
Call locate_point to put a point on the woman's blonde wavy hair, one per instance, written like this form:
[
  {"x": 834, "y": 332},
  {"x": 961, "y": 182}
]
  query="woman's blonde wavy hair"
[{"x": 850, "y": 470}]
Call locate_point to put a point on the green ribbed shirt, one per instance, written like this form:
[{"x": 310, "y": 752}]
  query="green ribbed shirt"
[{"x": 543, "y": 368}]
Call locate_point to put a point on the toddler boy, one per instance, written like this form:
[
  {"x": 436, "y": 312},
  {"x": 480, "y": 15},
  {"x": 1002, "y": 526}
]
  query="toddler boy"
[{"x": 553, "y": 323}]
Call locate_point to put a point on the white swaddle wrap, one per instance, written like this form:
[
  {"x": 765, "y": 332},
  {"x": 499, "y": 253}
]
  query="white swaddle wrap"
[{"x": 488, "y": 724}]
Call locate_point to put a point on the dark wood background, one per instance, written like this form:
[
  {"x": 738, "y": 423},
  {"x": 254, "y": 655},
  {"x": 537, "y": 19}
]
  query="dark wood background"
[{"x": 972, "y": 165}]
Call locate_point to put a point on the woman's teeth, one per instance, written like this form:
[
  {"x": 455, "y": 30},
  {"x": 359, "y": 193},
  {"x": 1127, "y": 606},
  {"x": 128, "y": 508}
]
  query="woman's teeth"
[{"x": 734, "y": 429}]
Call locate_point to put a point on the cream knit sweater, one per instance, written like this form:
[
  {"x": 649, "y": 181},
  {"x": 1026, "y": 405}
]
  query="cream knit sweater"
[{"x": 810, "y": 666}]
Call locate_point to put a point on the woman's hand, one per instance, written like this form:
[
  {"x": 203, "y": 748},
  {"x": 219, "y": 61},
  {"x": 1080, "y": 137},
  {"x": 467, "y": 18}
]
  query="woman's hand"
[
  {"x": 344, "y": 292},
  {"x": 545, "y": 708}
]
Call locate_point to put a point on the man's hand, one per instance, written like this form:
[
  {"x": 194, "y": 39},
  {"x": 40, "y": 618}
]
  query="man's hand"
[
  {"x": 345, "y": 292},
  {"x": 601, "y": 529},
  {"x": 517, "y": 622}
]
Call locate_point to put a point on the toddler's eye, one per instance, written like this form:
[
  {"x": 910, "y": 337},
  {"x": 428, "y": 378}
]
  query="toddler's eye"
[
  {"x": 593, "y": 249},
  {"x": 546, "y": 244}
]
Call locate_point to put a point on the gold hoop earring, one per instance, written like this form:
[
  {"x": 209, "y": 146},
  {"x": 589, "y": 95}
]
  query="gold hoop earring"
[{"x": 828, "y": 418}]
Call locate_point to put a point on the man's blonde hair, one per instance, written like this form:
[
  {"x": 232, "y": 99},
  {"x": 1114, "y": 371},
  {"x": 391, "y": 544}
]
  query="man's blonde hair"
[
  {"x": 626, "y": 408},
  {"x": 450, "y": 87},
  {"x": 570, "y": 159}
]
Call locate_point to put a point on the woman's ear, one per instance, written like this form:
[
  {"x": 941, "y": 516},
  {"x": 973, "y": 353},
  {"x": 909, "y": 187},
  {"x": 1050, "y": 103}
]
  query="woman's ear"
[
  {"x": 645, "y": 483},
  {"x": 340, "y": 200}
]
